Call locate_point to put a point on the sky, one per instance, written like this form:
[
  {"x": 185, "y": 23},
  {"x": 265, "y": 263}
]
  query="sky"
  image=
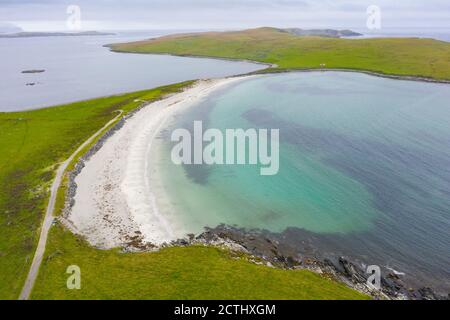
[{"x": 51, "y": 15}]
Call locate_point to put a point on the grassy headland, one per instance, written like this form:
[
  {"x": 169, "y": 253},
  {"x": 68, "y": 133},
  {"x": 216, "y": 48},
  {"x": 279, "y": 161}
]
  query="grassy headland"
[
  {"x": 426, "y": 58},
  {"x": 32, "y": 143},
  {"x": 194, "y": 272}
]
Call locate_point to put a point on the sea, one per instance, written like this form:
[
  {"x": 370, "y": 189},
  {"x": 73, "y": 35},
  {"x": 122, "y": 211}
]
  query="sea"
[{"x": 364, "y": 165}]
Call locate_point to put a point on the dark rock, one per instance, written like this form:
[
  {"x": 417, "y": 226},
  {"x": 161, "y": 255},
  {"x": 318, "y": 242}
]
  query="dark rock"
[
  {"x": 352, "y": 271},
  {"x": 427, "y": 294},
  {"x": 33, "y": 71}
]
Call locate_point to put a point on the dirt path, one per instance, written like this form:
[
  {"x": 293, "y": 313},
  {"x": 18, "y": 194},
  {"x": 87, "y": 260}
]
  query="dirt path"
[{"x": 48, "y": 219}]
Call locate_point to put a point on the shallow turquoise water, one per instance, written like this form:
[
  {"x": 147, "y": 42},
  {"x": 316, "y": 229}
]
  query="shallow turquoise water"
[{"x": 361, "y": 157}]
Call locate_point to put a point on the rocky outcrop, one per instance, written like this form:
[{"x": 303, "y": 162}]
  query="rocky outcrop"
[
  {"x": 277, "y": 254},
  {"x": 33, "y": 71}
]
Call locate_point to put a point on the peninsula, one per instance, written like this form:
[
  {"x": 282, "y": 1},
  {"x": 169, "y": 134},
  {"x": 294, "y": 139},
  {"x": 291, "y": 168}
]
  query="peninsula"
[{"x": 404, "y": 57}]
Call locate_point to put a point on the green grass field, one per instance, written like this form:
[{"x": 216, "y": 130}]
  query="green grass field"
[
  {"x": 395, "y": 56},
  {"x": 195, "y": 272},
  {"x": 32, "y": 143}
]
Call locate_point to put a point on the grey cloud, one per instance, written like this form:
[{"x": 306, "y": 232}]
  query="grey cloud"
[{"x": 232, "y": 13}]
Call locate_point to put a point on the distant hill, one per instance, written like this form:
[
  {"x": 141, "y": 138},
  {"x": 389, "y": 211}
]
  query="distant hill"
[
  {"x": 54, "y": 34},
  {"x": 413, "y": 57},
  {"x": 322, "y": 32},
  {"x": 6, "y": 27}
]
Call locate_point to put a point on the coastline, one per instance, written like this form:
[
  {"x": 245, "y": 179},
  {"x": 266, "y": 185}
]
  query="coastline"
[
  {"x": 274, "y": 68},
  {"x": 308, "y": 253},
  {"x": 268, "y": 65},
  {"x": 114, "y": 205},
  {"x": 124, "y": 220},
  {"x": 368, "y": 72}
]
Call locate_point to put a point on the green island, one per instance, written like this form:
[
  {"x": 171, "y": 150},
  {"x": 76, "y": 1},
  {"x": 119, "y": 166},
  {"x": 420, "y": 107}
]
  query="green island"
[
  {"x": 415, "y": 57},
  {"x": 32, "y": 144}
]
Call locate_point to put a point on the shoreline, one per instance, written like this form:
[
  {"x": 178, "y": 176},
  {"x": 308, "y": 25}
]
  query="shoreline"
[
  {"x": 125, "y": 222},
  {"x": 271, "y": 69},
  {"x": 274, "y": 251},
  {"x": 368, "y": 72},
  {"x": 274, "y": 68},
  {"x": 115, "y": 206},
  {"x": 268, "y": 65}
]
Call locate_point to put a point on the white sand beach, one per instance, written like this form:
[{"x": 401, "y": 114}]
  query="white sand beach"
[{"x": 114, "y": 202}]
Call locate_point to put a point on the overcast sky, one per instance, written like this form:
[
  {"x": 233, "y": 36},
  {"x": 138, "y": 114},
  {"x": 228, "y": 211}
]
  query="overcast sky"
[{"x": 224, "y": 14}]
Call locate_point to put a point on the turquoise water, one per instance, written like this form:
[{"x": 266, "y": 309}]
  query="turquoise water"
[
  {"x": 363, "y": 159},
  {"x": 79, "y": 68}
]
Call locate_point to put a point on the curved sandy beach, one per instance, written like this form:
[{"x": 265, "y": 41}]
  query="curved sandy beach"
[{"x": 114, "y": 204}]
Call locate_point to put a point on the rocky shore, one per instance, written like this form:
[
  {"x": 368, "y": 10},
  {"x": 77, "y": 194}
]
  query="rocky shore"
[
  {"x": 109, "y": 201},
  {"x": 274, "y": 252},
  {"x": 292, "y": 249}
]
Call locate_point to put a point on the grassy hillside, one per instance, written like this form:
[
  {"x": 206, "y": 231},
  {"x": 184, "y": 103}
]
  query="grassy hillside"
[
  {"x": 397, "y": 56},
  {"x": 31, "y": 145},
  {"x": 173, "y": 273}
]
